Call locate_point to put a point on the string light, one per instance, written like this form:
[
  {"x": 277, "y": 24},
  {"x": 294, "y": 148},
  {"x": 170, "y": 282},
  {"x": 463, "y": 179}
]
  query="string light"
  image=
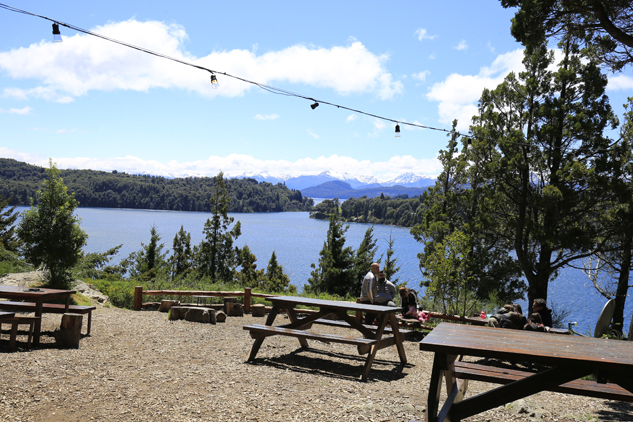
[
  {"x": 214, "y": 82},
  {"x": 397, "y": 130},
  {"x": 57, "y": 36},
  {"x": 269, "y": 88}
]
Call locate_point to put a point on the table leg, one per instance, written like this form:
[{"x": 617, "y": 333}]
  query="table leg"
[
  {"x": 67, "y": 304},
  {"x": 293, "y": 318},
  {"x": 38, "y": 321},
  {"x": 382, "y": 322},
  {"x": 398, "y": 336},
  {"x": 258, "y": 342}
]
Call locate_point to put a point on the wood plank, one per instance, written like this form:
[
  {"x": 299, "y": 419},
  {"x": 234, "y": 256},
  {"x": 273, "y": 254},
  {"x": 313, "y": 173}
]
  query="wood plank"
[
  {"x": 284, "y": 301},
  {"x": 483, "y": 373},
  {"x": 267, "y": 330},
  {"x": 343, "y": 324}
]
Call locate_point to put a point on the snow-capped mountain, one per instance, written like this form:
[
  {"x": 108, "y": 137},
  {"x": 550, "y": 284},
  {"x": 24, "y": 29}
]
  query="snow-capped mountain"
[{"x": 411, "y": 180}]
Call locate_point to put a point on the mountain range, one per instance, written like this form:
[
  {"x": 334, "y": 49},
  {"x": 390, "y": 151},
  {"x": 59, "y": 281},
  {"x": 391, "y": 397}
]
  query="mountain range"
[{"x": 406, "y": 180}]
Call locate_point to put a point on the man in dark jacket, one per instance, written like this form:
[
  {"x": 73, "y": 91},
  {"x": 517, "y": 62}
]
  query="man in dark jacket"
[{"x": 540, "y": 307}]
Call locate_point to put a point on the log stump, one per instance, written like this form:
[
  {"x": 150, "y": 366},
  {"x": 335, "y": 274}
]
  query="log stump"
[
  {"x": 258, "y": 310},
  {"x": 69, "y": 333},
  {"x": 193, "y": 313},
  {"x": 165, "y": 305},
  {"x": 220, "y": 316},
  {"x": 234, "y": 309},
  {"x": 228, "y": 300}
]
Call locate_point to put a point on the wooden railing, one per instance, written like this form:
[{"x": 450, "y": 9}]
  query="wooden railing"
[{"x": 247, "y": 294}]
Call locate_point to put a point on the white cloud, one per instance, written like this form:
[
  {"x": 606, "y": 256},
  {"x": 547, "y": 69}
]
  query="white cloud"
[
  {"x": 423, "y": 35},
  {"x": 351, "y": 117},
  {"x": 458, "y": 94},
  {"x": 314, "y": 135},
  {"x": 421, "y": 76},
  {"x": 83, "y": 63},
  {"x": 620, "y": 83},
  {"x": 461, "y": 46},
  {"x": 21, "y": 111},
  {"x": 266, "y": 116},
  {"x": 432, "y": 56},
  {"x": 237, "y": 164}
]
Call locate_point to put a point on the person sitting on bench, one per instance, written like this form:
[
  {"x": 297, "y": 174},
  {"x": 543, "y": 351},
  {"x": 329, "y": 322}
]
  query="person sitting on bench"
[
  {"x": 508, "y": 317},
  {"x": 535, "y": 323},
  {"x": 540, "y": 306}
]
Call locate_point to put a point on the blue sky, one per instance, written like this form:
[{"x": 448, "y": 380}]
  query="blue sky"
[{"x": 89, "y": 103}]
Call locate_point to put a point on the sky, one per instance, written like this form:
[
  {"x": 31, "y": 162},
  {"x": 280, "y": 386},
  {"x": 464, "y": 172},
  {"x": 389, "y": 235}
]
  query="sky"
[{"x": 88, "y": 103}]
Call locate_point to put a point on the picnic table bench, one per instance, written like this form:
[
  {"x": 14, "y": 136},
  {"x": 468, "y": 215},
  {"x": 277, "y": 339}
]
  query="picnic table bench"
[
  {"x": 565, "y": 360},
  {"x": 49, "y": 308},
  {"x": 370, "y": 341}
]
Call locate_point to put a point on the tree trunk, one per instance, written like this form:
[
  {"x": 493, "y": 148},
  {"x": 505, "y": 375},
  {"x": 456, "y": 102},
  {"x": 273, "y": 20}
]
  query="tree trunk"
[{"x": 623, "y": 286}]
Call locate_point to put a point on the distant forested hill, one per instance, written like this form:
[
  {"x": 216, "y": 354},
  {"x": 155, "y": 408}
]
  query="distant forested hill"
[
  {"x": 403, "y": 212},
  {"x": 19, "y": 181}
]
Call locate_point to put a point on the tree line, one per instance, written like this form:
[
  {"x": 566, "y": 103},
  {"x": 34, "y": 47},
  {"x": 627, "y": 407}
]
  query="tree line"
[
  {"x": 397, "y": 211},
  {"x": 20, "y": 181}
]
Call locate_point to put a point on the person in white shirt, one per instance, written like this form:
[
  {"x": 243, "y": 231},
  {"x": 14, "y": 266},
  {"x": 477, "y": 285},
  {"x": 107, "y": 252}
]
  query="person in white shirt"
[{"x": 368, "y": 291}]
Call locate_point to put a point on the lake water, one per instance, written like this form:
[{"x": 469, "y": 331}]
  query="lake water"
[{"x": 297, "y": 241}]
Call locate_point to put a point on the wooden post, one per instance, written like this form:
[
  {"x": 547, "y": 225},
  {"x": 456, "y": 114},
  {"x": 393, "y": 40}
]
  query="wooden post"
[
  {"x": 359, "y": 314},
  {"x": 247, "y": 300},
  {"x": 226, "y": 301},
  {"x": 138, "y": 298}
]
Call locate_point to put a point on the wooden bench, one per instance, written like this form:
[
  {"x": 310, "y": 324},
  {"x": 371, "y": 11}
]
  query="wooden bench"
[
  {"x": 339, "y": 323},
  {"x": 492, "y": 374},
  {"x": 15, "y": 321},
  {"x": 259, "y": 330},
  {"x": 49, "y": 308}
]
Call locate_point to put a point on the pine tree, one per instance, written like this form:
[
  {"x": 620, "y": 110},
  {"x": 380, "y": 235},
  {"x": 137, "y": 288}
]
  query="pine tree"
[
  {"x": 217, "y": 258},
  {"x": 8, "y": 239},
  {"x": 334, "y": 271},
  {"x": 150, "y": 261},
  {"x": 391, "y": 268},
  {"x": 249, "y": 275},
  {"x": 51, "y": 233},
  {"x": 276, "y": 280},
  {"x": 364, "y": 257},
  {"x": 182, "y": 257}
]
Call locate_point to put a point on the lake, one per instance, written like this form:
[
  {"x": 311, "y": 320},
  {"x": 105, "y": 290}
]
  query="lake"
[{"x": 297, "y": 241}]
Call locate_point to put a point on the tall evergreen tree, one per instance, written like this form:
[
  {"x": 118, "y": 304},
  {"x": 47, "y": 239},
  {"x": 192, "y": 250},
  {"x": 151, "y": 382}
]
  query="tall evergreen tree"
[
  {"x": 391, "y": 267},
  {"x": 539, "y": 140},
  {"x": 334, "y": 271},
  {"x": 217, "y": 258},
  {"x": 150, "y": 261},
  {"x": 276, "y": 280},
  {"x": 248, "y": 275},
  {"x": 51, "y": 233},
  {"x": 8, "y": 217},
  {"x": 182, "y": 256},
  {"x": 364, "y": 257}
]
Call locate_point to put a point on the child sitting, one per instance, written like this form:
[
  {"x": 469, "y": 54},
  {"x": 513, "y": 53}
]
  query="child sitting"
[{"x": 410, "y": 306}]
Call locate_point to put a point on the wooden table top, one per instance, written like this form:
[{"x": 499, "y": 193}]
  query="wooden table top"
[
  {"x": 506, "y": 344},
  {"x": 334, "y": 304},
  {"x": 9, "y": 292}
]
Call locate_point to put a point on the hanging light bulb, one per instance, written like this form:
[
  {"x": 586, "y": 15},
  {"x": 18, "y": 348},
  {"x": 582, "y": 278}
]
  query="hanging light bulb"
[
  {"x": 57, "y": 36},
  {"x": 315, "y": 105},
  {"x": 470, "y": 144},
  {"x": 397, "y": 130},
  {"x": 214, "y": 82}
]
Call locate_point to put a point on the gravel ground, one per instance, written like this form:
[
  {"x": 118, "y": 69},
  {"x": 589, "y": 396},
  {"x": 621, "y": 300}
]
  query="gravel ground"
[{"x": 138, "y": 366}]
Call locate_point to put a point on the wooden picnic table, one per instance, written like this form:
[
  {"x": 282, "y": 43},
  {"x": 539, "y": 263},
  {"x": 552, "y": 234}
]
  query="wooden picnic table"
[
  {"x": 38, "y": 296},
  {"x": 369, "y": 341},
  {"x": 567, "y": 359}
]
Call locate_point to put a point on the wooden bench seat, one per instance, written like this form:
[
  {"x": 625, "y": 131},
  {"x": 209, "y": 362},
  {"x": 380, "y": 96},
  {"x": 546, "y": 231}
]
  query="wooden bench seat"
[
  {"x": 340, "y": 323},
  {"x": 477, "y": 372},
  {"x": 49, "y": 308},
  {"x": 258, "y": 330},
  {"x": 19, "y": 320}
]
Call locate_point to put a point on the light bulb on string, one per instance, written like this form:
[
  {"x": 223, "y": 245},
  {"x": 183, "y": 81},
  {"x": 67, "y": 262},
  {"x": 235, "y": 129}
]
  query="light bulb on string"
[
  {"x": 315, "y": 105},
  {"x": 470, "y": 144},
  {"x": 57, "y": 36},
  {"x": 214, "y": 82},
  {"x": 397, "y": 130}
]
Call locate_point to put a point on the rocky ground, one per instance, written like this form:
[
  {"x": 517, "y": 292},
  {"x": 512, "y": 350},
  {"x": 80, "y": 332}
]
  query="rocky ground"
[{"x": 138, "y": 366}]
